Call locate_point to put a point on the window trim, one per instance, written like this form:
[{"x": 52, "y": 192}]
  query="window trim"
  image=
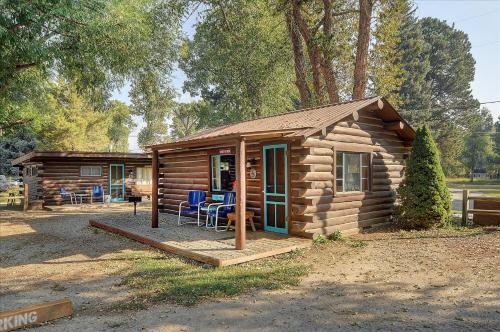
[
  {"x": 136, "y": 178},
  {"x": 91, "y": 167},
  {"x": 369, "y": 166}
]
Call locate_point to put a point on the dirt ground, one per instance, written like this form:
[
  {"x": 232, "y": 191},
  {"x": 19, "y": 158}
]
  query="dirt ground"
[{"x": 392, "y": 283}]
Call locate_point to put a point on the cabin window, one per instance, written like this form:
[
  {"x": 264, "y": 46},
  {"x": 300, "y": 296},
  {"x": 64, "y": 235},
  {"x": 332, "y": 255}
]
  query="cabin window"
[
  {"x": 222, "y": 172},
  {"x": 144, "y": 175},
  {"x": 90, "y": 171},
  {"x": 353, "y": 172},
  {"x": 31, "y": 170}
]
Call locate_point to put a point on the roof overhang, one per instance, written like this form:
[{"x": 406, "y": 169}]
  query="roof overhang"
[
  {"x": 77, "y": 154},
  {"x": 391, "y": 118},
  {"x": 224, "y": 139}
]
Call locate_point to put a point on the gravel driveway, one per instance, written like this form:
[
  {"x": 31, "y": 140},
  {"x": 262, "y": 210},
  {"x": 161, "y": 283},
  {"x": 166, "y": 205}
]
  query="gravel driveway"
[{"x": 388, "y": 282}]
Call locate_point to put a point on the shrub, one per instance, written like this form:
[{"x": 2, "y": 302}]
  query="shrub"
[
  {"x": 320, "y": 239},
  {"x": 424, "y": 198},
  {"x": 336, "y": 236}
]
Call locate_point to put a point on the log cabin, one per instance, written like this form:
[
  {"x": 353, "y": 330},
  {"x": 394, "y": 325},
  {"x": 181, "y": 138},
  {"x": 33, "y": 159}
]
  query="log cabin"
[
  {"x": 119, "y": 174},
  {"x": 302, "y": 173}
]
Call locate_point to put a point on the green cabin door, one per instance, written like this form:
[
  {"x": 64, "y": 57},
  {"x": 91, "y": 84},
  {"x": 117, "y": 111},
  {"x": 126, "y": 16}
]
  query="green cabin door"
[
  {"x": 275, "y": 188},
  {"x": 117, "y": 182}
]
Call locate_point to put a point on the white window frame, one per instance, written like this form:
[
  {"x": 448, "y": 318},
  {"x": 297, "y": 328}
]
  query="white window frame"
[
  {"x": 91, "y": 172},
  {"x": 361, "y": 166},
  {"x": 143, "y": 181}
]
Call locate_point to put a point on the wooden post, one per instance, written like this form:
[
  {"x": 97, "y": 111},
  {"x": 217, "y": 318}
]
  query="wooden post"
[
  {"x": 465, "y": 207},
  {"x": 26, "y": 194},
  {"x": 240, "y": 226},
  {"x": 154, "y": 191}
]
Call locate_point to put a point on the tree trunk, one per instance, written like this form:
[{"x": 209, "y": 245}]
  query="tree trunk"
[
  {"x": 326, "y": 61},
  {"x": 312, "y": 51},
  {"x": 365, "y": 15},
  {"x": 298, "y": 57}
]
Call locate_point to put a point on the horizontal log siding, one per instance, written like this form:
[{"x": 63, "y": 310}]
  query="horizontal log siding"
[
  {"x": 181, "y": 172},
  {"x": 65, "y": 173},
  {"x": 315, "y": 209}
]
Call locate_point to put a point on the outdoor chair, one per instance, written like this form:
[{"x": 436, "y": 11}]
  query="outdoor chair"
[
  {"x": 98, "y": 193},
  {"x": 220, "y": 210},
  {"x": 195, "y": 200},
  {"x": 64, "y": 193}
]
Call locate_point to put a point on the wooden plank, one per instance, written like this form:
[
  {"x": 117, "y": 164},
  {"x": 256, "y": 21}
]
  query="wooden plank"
[
  {"x": 177, "y": 250},
  {"x": 154, "y": 196},
  {"x": 485, "y": 212},
  {"x": 26, "y": 194},
  {"x": 35, "y": 314},
  {"x": 465, "y": 206}
]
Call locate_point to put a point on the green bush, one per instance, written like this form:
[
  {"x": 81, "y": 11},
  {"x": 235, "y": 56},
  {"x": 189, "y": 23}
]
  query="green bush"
[
  {"x": 336, "y": 236},
  {"x": 424, "y": 198},
  {"x": 320, "y": 239}
]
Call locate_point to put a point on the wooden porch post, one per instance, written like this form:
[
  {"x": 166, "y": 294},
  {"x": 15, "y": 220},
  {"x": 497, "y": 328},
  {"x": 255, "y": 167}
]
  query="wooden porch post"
[
  {"x": 241, "y": 199},
  {"x": 154, "y": 191}
]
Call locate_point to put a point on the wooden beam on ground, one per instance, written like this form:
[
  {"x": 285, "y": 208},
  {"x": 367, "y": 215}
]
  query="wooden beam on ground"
[
  {"x": 240, "y": 195},
  {"x": 154, "y": 191},
  {"x": 35, "y": 314},
  {"x": 394, "y": 125}
]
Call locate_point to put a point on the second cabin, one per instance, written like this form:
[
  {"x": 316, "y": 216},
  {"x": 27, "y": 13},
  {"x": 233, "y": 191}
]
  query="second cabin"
[{"x": 304, "y": 173}]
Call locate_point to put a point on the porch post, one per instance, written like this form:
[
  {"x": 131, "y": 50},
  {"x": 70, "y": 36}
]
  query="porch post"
[
  {"x": 154, "y": 191},
  {"x": 241, "y": 199}
]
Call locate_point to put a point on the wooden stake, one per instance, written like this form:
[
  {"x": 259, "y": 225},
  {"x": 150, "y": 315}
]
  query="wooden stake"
[
  {"x": 154, "y": 191},
  {"x": 26, "y": 195},
  {"x": 465, "y": 207},
  {"x": 240, "y": 195}
]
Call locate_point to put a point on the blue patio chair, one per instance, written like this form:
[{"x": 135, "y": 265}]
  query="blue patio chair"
[
  {"x": 195, "y": 200},
  {"x": 98, "y": 192},
  {"x": 64, "y": 193},
  {"x": 220, "y": 210}
]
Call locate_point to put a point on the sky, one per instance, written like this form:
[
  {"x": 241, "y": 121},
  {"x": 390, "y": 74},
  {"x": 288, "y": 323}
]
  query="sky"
[{"x": 479, "y": 19}]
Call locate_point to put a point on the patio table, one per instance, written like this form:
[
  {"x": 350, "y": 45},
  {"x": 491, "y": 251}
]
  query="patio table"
[{"x": 81, "y": 197}]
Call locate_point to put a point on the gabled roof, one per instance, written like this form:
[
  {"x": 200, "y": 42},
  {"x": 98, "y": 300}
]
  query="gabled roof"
[
  {"x": 301, "y": 123},
  {"x": 37, "y": 155}
]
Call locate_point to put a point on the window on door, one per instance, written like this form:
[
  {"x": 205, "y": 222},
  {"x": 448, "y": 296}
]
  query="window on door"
[
  {"x": 353, "y": 172},
  {"x": 222, "y": 172},
  {"x": 144, "y": 175}
]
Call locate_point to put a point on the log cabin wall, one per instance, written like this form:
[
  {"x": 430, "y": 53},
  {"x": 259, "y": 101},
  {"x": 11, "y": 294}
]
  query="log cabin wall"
[
  {"x": 186, "y": 170},
  {"x": 316, "y": 208},
  {"x": 65, "y": 172}
]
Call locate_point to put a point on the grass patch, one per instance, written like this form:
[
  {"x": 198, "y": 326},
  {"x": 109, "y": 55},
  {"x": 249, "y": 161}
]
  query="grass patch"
[
  {"x": 465, "y": 183},
  {"x": 357, "y": 243},
  {"x": 162, "y": 278},
  {"x": 452, "y": 230}
]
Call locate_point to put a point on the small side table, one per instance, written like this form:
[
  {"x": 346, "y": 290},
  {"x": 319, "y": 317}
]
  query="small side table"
[
  {"x": 232, "y": 217},
  {"x": 81, "y": 197}
]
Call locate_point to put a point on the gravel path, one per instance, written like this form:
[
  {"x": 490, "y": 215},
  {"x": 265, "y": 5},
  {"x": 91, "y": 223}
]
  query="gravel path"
[{"x": 391, "y": 284}]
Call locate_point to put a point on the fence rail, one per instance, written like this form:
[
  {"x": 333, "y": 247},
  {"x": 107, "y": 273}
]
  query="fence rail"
[{"x": 481, "y": 210}]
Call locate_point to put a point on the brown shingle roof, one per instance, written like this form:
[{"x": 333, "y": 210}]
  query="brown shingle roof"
[
  {"x": 301, "y": 123},
  {"x": 301, "y": 119},
  {"x": 78, "y": 154}
]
